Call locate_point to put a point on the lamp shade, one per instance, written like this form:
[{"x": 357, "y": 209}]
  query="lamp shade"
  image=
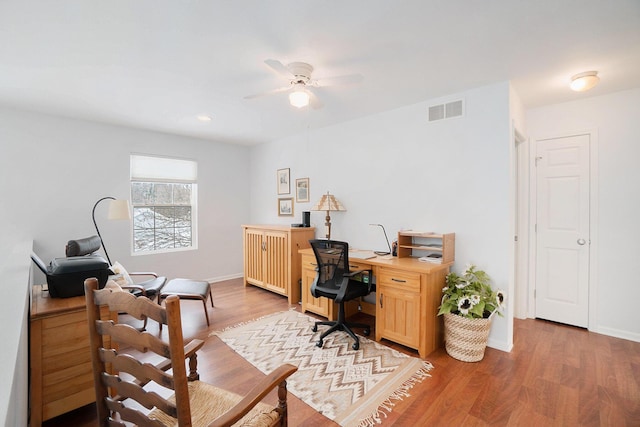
[
  {"x": 119, "y": 209},
  {"x": 328, "y": 202},
  {"x": 299, "y": 97}
]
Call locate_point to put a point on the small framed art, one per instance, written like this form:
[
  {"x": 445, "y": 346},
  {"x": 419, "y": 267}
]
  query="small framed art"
[
  {"x": 302, "y": 190},
  {"x": 285, "y": 206},
  {"x": 284, "y": 183}
]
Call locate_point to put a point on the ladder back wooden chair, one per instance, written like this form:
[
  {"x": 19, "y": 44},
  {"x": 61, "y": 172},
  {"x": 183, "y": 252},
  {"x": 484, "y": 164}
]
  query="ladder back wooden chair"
[{"x": 120, "y": 378}]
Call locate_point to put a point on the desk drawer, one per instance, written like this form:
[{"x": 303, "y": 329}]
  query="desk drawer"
[
  {"x": 400, "y": 279},
  {"x": 354, "y": 266}
]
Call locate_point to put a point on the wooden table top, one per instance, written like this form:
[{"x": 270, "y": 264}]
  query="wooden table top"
[{"x": 42, "y": 305}]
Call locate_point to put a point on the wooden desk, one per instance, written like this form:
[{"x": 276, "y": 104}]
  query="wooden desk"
[
  {"x": 60, "y": 361},
  {"x": 408, "y": 294}
]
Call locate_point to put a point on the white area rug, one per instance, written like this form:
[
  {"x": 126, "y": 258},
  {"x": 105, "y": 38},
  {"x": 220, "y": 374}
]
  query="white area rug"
[{"x": 350, "y": 387}]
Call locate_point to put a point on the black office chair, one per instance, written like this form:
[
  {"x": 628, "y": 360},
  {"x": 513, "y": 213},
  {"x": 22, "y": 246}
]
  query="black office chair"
[{"x": 335, "y": 281}]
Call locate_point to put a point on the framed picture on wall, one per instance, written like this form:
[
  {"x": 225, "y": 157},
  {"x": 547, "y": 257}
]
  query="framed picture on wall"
[
  {"x": 284, "y": 183},
  {"x": 302, "y": 190},
  {"x": 285, "y": 207}
]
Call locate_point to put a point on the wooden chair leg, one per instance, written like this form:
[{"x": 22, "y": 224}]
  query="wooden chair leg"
[{"x": 206, "y": 313}]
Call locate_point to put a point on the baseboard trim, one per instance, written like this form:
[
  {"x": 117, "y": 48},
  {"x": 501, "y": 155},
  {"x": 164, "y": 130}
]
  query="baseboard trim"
[
  {"x": 618, "y": 333},
  {"x": 500, "y": 345},
  {"x": 223, "y": 278}
]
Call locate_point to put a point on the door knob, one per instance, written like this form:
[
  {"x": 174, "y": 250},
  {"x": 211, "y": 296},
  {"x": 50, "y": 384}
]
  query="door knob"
[{"x": 581, "y": 242}]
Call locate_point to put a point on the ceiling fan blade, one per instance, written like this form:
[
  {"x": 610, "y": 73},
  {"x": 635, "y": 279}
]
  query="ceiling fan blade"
[
  {"x": 269, "y": 92},
  {"x": 279, "y": 68},
  {"x": 339, "y": 80},
  {"x": 314, "y": 101}
]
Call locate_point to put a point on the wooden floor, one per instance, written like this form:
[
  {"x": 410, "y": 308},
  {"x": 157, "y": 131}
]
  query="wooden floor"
[{"x": 555, "y": 375}]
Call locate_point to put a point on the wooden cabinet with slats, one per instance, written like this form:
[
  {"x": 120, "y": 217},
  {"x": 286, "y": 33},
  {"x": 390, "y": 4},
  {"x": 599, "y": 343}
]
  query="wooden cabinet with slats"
[
  {"x": 272, "y": 260},
  {"x": 61, "y": 376}
]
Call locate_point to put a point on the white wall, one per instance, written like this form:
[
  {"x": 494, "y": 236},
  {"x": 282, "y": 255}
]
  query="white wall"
[
  {"x": 14, "y": 357},
  {"x": 616, "y": 119},
  {"x": 397, "y": 169},
  {"x": 53, "y": 170}
]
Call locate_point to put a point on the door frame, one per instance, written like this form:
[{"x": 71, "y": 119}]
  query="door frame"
[
  {"x": 593, "y": 221},
  {"x": 521, "y": 227}
]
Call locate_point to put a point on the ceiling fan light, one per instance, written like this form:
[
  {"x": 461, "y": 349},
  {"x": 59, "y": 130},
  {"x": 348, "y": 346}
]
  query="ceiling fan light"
[
  {"x": 584, "y": 81},
  {"x": 299, "y": 98}
]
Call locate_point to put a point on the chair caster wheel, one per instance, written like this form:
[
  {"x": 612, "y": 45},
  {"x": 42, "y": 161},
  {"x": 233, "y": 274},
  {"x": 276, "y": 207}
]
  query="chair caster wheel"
[
  {"x": 366, "y": 332},
  {"x": 315, "y": 328},
  {"x": 356, "y": 345},
  {"x": 319, "y": 344}
]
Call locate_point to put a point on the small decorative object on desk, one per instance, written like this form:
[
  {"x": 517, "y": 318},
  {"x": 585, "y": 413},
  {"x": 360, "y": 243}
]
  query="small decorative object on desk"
[{"x": 468, "y": 304}]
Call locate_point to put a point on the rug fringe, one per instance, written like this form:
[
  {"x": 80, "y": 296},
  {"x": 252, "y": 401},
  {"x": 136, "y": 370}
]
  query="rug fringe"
[{"x": 401, "y": 392}]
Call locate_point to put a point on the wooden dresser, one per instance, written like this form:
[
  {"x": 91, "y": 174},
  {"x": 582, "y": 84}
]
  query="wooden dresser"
[{"x": 60, "y": 361}]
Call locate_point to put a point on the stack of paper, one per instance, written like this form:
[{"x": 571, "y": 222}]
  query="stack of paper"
[{"x": 434, "y": 258}]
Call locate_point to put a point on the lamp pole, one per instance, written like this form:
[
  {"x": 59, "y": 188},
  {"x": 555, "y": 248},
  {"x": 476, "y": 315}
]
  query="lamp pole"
[
  {"x": 327, "y": 222},
  {"x": 93, "y": 215}
]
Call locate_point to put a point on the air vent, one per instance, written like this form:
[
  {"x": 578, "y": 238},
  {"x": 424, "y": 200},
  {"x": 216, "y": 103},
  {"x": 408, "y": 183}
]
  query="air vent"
[
  {"x": 436, "y": 112},
  {"x": 446, "y": 111}
]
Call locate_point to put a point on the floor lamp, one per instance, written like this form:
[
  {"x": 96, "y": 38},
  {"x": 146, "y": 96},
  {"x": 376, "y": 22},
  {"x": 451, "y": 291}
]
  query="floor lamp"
[
  {"x": 118, "y": 209},
  {"x": 328, "y": 203}
]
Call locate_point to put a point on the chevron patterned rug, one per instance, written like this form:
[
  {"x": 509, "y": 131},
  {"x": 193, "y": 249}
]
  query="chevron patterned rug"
[{"x": 352, "y": 388}]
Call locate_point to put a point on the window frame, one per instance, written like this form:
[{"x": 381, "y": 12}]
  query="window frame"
[{"x": 157, "y": 180}]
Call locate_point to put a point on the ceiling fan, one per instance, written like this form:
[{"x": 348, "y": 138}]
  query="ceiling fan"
[{"x": 300, "y": 83}]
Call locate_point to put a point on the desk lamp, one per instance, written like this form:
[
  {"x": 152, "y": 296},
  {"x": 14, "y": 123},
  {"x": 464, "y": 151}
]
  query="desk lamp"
[
  {"x": 328, "y": 203},
  {"x": 386, "y": 238},
  {"x": 118, "y": 209}
]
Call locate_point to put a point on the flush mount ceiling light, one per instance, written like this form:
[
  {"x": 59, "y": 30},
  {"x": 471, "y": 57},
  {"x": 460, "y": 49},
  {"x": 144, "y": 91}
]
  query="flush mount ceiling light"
[
  {"x": 584, "y": 81},
  {"x": 299, "y": 97},
  {"x": 203, "y": 117}
]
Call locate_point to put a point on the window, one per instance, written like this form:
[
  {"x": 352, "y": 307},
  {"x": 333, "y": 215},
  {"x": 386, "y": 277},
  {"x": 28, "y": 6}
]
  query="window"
[{"x": 163, "y": 195}]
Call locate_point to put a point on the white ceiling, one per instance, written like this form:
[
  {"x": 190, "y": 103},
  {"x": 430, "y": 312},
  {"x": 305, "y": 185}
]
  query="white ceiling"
[{"x": 157, "y": 64}]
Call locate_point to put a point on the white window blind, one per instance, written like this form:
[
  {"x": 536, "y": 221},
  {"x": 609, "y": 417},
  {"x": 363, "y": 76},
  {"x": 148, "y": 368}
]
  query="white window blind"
[{"x": 162, "y": 169}]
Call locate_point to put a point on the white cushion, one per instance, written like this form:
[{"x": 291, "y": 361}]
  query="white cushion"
[{"x": 120, "y": 276}]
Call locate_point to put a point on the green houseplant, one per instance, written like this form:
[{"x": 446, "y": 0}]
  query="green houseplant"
[{"x": 468, "y": 304}]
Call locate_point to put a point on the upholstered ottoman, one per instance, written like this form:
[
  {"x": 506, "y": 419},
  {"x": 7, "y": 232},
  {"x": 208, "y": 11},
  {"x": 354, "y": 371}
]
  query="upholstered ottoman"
[{"x": 189, "y": 289}]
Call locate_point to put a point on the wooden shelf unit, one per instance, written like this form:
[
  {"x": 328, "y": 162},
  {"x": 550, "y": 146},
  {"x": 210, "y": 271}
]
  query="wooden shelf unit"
[{"x": 414, "y": 244}]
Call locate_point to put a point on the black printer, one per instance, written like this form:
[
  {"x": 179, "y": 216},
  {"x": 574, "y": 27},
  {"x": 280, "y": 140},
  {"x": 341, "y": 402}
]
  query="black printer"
[{"x": 66, "y": 276}]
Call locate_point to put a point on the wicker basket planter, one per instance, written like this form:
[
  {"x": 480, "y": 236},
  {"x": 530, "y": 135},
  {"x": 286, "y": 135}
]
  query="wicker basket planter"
[{"x": 466, "y": 339}]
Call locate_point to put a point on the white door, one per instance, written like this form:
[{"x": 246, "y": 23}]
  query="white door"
[{"x": 562, "y": 253}]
